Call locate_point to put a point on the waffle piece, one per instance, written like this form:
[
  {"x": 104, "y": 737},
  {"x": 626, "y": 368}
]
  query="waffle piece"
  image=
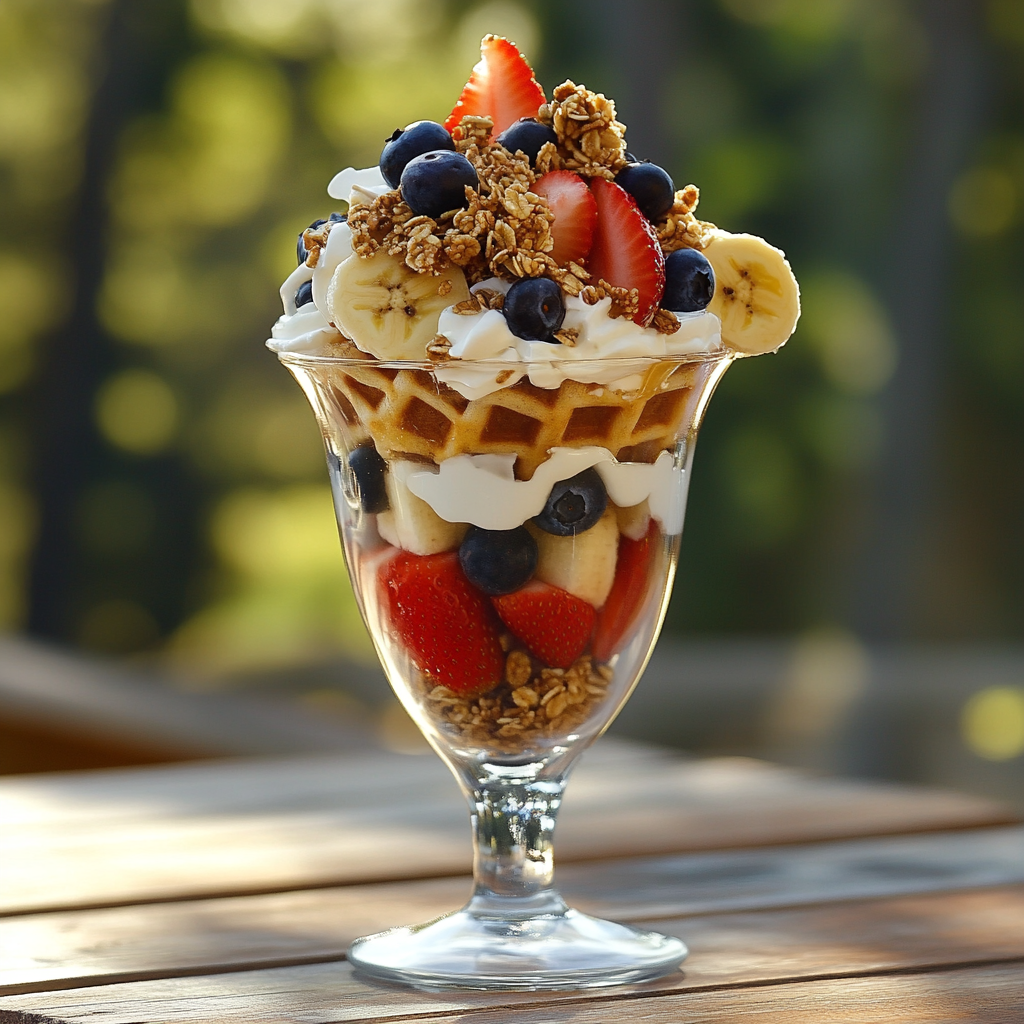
[{"x": 411, "y": 414}]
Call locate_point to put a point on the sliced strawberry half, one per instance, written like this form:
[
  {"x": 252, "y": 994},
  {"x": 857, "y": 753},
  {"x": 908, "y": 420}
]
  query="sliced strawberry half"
[
  {"x": 554, "y": 625},
  {"x": 628, "y": 595},
  {"x": 575, "y": 210},
  {"x": 626, "y": 252},
  {"x": 445, "y": 623},
  {"x": 501, "y": 87}
]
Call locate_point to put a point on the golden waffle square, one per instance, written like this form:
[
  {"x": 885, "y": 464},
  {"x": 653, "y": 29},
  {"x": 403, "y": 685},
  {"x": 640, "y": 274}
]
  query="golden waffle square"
[{"x": 409, "y": 413}]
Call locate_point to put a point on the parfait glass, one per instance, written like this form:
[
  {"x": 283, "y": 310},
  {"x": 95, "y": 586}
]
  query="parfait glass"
[{"x": 511, "y": 741}]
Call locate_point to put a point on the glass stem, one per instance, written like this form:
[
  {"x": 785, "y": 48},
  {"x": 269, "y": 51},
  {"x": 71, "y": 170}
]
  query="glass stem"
[{"x": 513, "y": 853}]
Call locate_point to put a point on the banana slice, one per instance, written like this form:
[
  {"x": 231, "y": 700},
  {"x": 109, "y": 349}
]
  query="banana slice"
[
  {"x": 756, "y": 295},
  {"x": 388, "y": 310}
]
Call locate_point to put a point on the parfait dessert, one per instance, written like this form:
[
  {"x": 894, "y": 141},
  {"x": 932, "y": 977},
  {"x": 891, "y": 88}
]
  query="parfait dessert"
[{"x": 509, "y": 338}]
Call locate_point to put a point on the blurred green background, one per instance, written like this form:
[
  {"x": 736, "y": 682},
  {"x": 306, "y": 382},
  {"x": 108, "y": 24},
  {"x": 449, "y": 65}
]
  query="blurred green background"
[{"x": 162, "y": 489}]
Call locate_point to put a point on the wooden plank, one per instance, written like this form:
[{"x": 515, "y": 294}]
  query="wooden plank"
[
  {"x": 121, "y": 837},
  {"x": 739, "y": 951},
  {"x": 990, "y": 995},
  {"x": 100, "y": 705},
  {"x": 64, "y": 950}
]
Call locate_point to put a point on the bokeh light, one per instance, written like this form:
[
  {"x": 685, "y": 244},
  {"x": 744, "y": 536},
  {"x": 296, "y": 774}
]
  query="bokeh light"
[
  {"x": 983, "y": 202},
  {"x": 137, "y": 411},
  {"x": 992, "y": 723}
]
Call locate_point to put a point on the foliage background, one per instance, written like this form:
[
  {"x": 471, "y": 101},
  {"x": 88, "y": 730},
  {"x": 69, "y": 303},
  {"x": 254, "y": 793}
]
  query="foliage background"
[{"x": 161, "y": 481}]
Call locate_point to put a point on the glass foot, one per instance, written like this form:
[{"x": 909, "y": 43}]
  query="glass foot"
[{"x": 566, "y": 950}]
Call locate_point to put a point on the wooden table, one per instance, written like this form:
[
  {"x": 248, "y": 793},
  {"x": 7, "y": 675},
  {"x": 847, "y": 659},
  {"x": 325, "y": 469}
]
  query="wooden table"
[{"x": 227, "y": 892}]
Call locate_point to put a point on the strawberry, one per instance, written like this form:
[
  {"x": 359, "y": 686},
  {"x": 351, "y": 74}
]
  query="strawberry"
[
  {"x": 443, "y": 621},
  {"x": 575, "y": 211},
  {"x": 628, "y": 594},
  {"x": 626, "y": 252},
  {"x": 554, "y": 625},
  {"x": 501, "y": 87}
]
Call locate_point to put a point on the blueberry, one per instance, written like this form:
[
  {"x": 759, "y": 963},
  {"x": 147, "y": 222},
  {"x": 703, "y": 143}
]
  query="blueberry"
[
  {"x": 300, "y": 248},
  {"x": 689, "y": 281},
  {"x": 534, "y": 308},
  {"x": 630, "y": 159},
  {"x": 368, "y": 468},
  {"x": 411, "y": 141},
  {"x": 527, "y": 136},
  {"x": 650, "y": 186},
  {"x": 435, "y": 183},
  {"x": 498, "y": 561},
  {"x": 304, "y": 294},
  {"x": 574, "y": 505}
]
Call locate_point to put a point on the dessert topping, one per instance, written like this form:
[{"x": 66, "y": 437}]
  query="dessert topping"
[
  {"x": 408, "y": 143},
  {"x": 575, "y": 217},
  {"x": 445, "y": 623},
  {"x": 501, "y": 87},
  {"x": 625, "y": 599},
  {"x": 689, "y": 281},
  {"x": 574, "y": 505},
  {"x": 534, "y": 309},
  {"x": 590, "y": 140},
  {"x": 553, "y": 624},
  {"x": 650, "y": 186},
  {"x": 498, "y": 561},
  {"x": 756, "y": 296},
  {"x": 626, "y": 252}
]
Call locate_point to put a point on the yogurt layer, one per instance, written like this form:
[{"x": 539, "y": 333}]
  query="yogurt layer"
[
  {"x": 483, "y": 490},
  {"x": 484, "y": 337}
]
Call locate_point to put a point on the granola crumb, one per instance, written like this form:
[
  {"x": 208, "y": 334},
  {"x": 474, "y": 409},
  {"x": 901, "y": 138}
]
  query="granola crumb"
[
  {"x": 440, "y": 347},
  {"x": 445, "y": 287},
  {"x": 665, "y": 322},
  {"x": 568, "y": 336},
  {"x": 518, "y": 668}
]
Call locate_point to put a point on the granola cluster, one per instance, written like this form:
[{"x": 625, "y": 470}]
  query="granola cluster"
[
  {"x": 590, "y": 140},
  {"x": 531, "y": 703},
  {"x": 680, "y": 229}
]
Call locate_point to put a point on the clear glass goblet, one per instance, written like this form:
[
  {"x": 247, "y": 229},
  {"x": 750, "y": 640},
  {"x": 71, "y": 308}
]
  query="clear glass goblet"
[{"x": 414, "y": 465}]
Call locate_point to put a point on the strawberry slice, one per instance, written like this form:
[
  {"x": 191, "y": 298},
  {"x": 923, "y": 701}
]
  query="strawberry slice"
[
  {"x": 501, "y": 87},
  {"x": 575, "y": 211},
  {"x": 626, "y": 252},
  {"x": 444, "y": 622},
  {"x": 628, "y": 595},
  {"x": 554, "y": 625}
]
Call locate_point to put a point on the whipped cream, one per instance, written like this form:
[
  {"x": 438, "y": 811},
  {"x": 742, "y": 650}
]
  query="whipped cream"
[
  {"x": 307, "y": 328},
  {"x": 483, "y": 490},
  {"x": 484, "y": 337},
  {"x": 299, "y": 330},
  {"x": 369, "y": 178},
  {"x": 337, "y": 250}
]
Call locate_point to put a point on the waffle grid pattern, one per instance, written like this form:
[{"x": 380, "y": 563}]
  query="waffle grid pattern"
[{"x": 409, "y": 413}]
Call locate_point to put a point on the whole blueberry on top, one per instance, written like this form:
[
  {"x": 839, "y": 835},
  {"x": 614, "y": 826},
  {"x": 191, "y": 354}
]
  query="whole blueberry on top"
[
  {"x": 651, "y": 187},
  {"x": 300, "y": 248},
  {"x": 498, "y": 561},
  {"x": 435, "y": 182},
  {"x": 534, "y": 308},
  {"x": 527, "y": 136},
  {"x": 574, "y": 505},
  {"x": 304, "y": 294},
  {"x": 689, "y": 281},
  {"x": 368, "y": 469},
  {"x": 411, "y": 141}
]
